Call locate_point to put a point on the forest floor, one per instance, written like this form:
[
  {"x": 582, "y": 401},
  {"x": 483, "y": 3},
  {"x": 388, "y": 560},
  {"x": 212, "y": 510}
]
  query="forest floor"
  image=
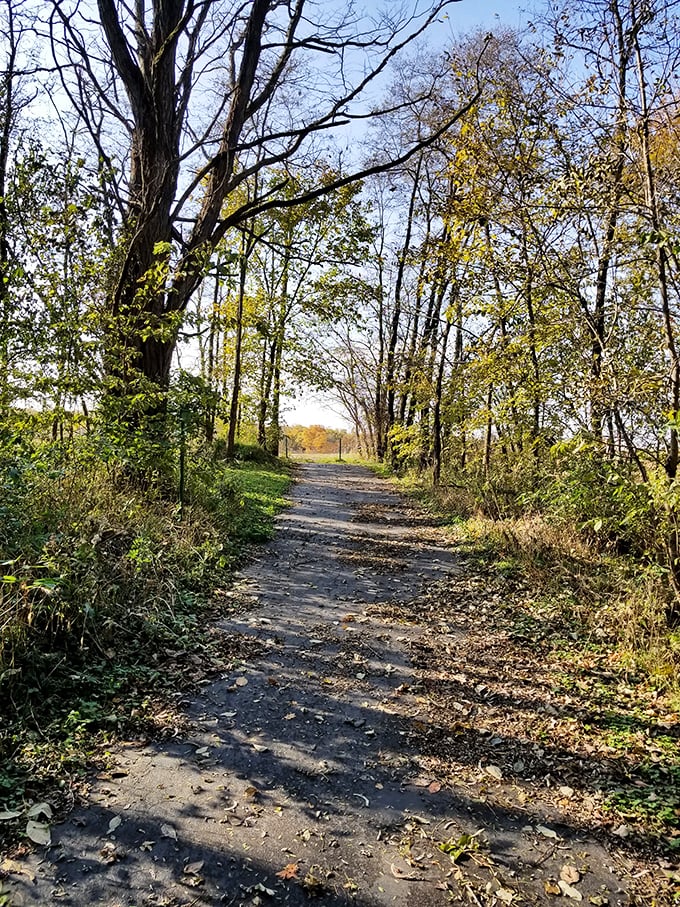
[{"x": 395, "y": 728}]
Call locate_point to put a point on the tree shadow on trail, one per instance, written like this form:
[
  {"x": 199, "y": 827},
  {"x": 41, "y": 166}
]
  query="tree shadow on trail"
[
  {"x": 256, "y": 791},
  {"x": 318, "y": 757}
]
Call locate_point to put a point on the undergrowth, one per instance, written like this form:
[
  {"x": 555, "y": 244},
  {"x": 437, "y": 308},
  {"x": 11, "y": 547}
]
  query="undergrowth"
[
  {"x": 609, "y": 587},
  {"x": 599, "y": 610},
  {"x": 108, "y": 593}
]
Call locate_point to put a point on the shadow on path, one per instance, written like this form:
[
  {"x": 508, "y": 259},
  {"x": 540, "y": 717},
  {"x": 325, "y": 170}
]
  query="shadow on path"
[{"x": 306, "y": 760}]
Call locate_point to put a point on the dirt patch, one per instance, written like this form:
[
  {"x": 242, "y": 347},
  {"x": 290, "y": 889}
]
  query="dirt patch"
[{"x": 395, "y": 513}]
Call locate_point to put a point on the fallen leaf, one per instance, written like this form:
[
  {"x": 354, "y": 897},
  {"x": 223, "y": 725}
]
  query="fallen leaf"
[
  {"x": 622, "y": 831},
  {"x": 552, "y": 887},
  {"x": 203, "y": 751},
  {"x": 461, "y": 847},
  {"x": 10, "y": 814},
  {"x": 241, "y": 681},
  {"x": 567, "y": 791},
  {"x": 312, "y": 885},
  {"x": 39, "y": 833},
  {"x": 547, "y": 832},
  {"x": 435, "y": 787},
  {"x": 193, "y": 881},
  {"x": 251, "y": 791},
  {"x": 167, "y": 831},
  {"x": 494, "y": 771},
  {"x": 505, "y": 895},
  {"x": 570, "y": 874},
  {"x": 264, "y": 890},
  {"x": 15, "y": 867},
  {"x": 192, "y": 869},
  {"x": 259, "y": 748},
  {"x": 403, "y": 874},
  {"x": 110, "y": 853},
  {"x": 569, "y": 892},
  {"x": 114, "y": 824},
  {"x": 290, "y": 716},
  {"x": 40, "y": 809},
  {"x": 290, "y": 871}
]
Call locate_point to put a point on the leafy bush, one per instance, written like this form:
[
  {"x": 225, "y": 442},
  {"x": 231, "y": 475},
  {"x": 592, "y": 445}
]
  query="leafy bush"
[
  {"x": 604, "y": 498},
  {"x": 102, "y": 581}
]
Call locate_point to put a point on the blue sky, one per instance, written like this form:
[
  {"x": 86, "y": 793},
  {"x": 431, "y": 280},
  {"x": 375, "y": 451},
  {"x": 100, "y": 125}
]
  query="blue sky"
[{"x": 470, "y": 14}]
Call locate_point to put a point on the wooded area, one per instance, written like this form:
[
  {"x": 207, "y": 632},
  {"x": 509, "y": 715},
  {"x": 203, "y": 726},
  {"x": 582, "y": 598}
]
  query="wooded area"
[{"x": 207, "y": 206}]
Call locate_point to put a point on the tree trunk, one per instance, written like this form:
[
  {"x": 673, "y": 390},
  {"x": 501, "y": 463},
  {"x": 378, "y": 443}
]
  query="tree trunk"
[
  {"x": 436, "y": 413},
  {"x": 390, "y": 364},
  {"x": 488, "y": 432},
  {"x": 236, "y": 374},
  {"x": 598, "y": 320},
  {"x": 662, "y": 265},
  {"x": 9, "y": 112}
]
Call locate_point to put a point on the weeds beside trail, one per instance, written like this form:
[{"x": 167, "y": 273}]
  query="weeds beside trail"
[
  {"x": 108, "y": 601},
  {"x": 576, "y": 639},
  {"x": 608, "y": 599}
]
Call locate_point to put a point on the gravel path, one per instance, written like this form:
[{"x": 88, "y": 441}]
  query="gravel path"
[{"x": 300, "y": 777}]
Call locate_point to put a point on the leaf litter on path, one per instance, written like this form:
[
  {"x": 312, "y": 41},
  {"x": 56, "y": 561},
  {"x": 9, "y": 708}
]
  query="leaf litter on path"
[
  {"x": 485, "y": 719},
  {"x": 533, "y": 721}
]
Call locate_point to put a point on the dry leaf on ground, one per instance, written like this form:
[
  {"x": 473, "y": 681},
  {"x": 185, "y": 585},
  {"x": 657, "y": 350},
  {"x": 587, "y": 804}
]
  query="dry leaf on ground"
[
  {"x": 290, "y": 871},
  {"x": 39, "y": 833}
]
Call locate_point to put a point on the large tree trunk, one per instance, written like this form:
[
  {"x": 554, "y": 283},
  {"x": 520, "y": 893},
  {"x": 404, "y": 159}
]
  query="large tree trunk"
[
  {"x": 146, "y": 297},
  {"x": 668, "y": 318},
  {"x": 8, "y": 114}
]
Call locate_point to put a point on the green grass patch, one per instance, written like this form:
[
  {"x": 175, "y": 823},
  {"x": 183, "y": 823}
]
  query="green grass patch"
[{"x": 261, "y": 491}]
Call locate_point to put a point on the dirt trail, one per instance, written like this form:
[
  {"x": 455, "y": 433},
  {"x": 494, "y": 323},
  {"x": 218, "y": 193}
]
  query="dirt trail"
[{"x": 301, "y": 776}]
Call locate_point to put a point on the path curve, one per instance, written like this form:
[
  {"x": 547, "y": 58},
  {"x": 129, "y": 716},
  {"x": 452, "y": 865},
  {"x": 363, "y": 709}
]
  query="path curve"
[{"x": 299, "y": 778}]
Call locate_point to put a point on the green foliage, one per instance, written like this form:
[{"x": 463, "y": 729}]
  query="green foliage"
[
  {"x": 55, "y": 248},
  {"x": 407, "y": 444},
  {"x": 250, "y": 453},
  {"x": 103, "y": 582},
  {"x": 461, "y": 847},
  {"x": 654, "y": 799},
  {"x": 604, "y": 498}
]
